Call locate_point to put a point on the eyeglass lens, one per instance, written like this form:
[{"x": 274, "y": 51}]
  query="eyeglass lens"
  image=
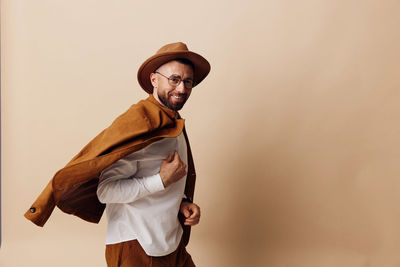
[{"x": 175, "y": 80}]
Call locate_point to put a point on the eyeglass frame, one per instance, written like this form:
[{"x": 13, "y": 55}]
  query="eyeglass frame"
[{"x": 180, "y": 80}]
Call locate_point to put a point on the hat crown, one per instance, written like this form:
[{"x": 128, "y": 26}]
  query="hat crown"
[{"x": 174, "y": 47}]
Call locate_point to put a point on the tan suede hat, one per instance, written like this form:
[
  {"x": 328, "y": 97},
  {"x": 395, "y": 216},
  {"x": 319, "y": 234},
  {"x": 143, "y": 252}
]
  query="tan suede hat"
[{"x": 167, "y": 53}]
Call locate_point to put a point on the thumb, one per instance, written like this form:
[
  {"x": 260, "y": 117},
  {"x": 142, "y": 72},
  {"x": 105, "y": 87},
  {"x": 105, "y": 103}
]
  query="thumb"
[
  {"x": 176, "y": 156},
  {"x": 169, "y": 158},
  {"x": 186, "y": 212}
]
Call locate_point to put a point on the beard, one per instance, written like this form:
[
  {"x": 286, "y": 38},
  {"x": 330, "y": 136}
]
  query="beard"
[{"x": 165, "y": 99}]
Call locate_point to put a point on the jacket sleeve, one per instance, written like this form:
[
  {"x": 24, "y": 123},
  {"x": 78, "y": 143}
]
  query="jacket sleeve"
[
  {"x": 73, "y": 188},
  {"x": 43, "y": 206}
]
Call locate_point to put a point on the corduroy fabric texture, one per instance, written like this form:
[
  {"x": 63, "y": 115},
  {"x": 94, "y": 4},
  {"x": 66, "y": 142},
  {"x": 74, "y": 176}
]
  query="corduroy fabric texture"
[
  {"x": 73, "y": 188},
  {"x": 131, "y": 254}
]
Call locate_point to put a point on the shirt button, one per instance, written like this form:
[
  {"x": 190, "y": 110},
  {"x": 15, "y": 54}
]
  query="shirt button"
[{"x": 33, "y": 210}]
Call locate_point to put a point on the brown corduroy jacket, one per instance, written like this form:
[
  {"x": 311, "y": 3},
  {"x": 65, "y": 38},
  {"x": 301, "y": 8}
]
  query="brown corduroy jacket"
[{"x": 73, "y": 188}]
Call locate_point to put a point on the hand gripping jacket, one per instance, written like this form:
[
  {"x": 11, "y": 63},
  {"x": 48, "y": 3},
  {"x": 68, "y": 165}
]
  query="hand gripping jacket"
[{"x": 73, "y": 188}]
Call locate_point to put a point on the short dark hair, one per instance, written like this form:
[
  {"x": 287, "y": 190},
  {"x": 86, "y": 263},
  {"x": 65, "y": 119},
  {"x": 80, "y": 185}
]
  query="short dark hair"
[{"x": 185, "y": 61}]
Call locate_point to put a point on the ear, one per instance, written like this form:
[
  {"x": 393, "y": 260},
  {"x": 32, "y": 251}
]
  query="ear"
[{"x": 154, "y": 80}]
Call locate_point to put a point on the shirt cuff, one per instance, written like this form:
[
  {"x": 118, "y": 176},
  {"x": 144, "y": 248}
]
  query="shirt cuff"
[{"x": 154, "y": 183}]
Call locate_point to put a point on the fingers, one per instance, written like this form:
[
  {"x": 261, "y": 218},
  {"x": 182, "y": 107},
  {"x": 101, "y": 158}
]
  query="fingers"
[
  {"x": 192, "y": 213},
  {"x": 172, "y": 169},
  {"x": 176, "y": 158},
  {"x": 186, "y": 212},
  {"x": 178, "y": 161},
  {"x": 173, "y": 157},
  {"x": 195, "y": 211},
  {"x": 192, "y": 221}
]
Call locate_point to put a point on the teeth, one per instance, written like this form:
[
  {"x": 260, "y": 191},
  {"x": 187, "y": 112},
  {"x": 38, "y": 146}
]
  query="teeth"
[{"x": 177, "y": 97}]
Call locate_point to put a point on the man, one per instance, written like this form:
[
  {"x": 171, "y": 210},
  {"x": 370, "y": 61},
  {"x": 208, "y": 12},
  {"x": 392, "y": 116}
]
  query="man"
[
  {"x": 141, "y": 168},
  {"x": 143, "y": 191}
]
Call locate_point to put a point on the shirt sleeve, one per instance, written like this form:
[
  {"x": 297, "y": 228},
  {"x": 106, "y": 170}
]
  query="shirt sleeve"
[{"x": 118, "y": 184}]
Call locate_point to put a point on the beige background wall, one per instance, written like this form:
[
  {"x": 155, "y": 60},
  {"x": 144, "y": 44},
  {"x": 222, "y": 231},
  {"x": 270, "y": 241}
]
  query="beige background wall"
[{"x": 295, "y": 132}]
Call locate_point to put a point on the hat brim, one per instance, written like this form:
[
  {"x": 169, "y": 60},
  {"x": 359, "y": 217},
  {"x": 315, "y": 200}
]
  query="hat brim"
[{"x": 201, "y": 67}]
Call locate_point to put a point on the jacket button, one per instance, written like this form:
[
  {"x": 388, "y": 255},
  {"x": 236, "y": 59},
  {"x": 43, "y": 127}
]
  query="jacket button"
[{"x": 33, "y": 210}]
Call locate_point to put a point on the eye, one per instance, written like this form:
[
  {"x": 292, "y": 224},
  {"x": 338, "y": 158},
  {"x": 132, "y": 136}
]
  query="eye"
[
  {"x": 175, "y": 79},
  {"x": 188, "y": 83}
]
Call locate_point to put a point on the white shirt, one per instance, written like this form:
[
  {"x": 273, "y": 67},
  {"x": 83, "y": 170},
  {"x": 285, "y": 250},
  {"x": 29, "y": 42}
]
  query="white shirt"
[{"x": 137, "y": 204}]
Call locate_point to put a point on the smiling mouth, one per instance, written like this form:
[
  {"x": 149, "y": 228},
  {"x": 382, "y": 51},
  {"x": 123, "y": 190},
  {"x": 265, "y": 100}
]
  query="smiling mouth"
[{"x": 178, "y": 97}]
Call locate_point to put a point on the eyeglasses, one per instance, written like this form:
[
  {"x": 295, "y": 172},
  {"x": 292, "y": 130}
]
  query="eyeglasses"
[{"x": 175, "y": 80}]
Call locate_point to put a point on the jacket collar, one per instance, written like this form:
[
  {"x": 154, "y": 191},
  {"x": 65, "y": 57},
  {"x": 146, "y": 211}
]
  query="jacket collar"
[{"x": 171, "y": 113}]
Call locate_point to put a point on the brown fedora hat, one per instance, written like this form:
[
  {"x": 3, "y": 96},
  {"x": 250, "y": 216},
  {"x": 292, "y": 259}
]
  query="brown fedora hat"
[{"x": 167, "y": 53}]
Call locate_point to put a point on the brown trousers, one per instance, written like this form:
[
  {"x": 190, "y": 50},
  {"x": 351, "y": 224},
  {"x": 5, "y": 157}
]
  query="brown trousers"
[{"x": 131, "y": 254}]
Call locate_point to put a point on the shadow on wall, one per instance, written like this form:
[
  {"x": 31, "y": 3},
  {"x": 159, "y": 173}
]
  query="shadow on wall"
[
  {"x": 262, "y": 199},
  {"x": 291, "y": 187}
]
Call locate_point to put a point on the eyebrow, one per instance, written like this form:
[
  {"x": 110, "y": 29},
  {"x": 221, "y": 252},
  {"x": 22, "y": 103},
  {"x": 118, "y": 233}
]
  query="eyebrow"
[{"x": 173, "y": 74}]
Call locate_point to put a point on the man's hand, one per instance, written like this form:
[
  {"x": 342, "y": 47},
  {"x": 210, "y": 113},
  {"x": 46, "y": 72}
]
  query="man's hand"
[
  {"x": 172, "y": 169},
  {"x": 191, "y": 212}
]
